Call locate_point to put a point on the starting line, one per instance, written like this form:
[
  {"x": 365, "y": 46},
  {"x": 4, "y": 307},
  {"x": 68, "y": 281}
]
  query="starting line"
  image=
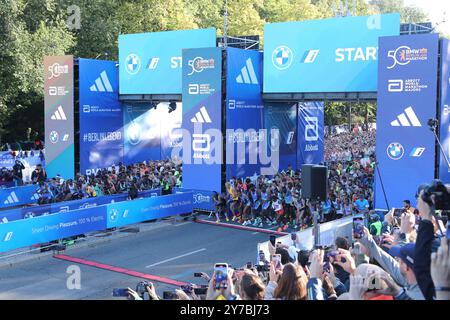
[
  {"x": 245, "y": 228},
  {"x": 120, "y": 270}
]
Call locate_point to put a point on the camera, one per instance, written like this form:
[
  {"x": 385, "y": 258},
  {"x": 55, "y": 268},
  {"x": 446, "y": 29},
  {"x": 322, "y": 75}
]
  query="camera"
[
  {"x": 141, "y": 288},
  {"x": 263, "y": 268},
  {"x": 435, "y": 195}
]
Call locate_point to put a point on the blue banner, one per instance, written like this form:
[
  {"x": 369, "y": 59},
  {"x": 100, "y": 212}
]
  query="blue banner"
[
  {"x": 43, "y": 229},
  {"x": 283, "y": 116},
  {"x": 150, "y": 63},
  {"x": 245, "y": 111},
  {"x": 201, "y": 200},
  {"x": 202, "y": 119},
  {"x": 31, "y": 160},
  {"x": 407, "y": 95},
  {"x": 101, "y": 120},
  {"x": 310, "y": 140},
  {"x": 18, "y": 196},
  {"x": 124, "y": 213},
  {"x": 444, "y": 171},
  {"x": 46, "y": 209},
  {"x": 329, "y": 55}
]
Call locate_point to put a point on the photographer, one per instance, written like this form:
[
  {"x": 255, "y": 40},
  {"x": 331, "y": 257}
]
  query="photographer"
[{"x": 17, "y": 173}]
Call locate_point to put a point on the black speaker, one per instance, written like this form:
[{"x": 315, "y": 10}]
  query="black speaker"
[{"x": 314, "y": 182}]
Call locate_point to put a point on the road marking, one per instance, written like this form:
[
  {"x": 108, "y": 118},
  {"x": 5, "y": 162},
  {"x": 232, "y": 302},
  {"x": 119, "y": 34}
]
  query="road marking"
[
  {"x": 181, "y": 224},
  {"x": 255, "y": 233},
  {"x": 120, "y": 270},
  {"x": 177, "y": 257}
]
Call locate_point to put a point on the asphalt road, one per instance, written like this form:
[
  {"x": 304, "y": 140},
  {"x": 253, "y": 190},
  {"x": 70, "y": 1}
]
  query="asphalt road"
[{"x": 171, "y": 251}]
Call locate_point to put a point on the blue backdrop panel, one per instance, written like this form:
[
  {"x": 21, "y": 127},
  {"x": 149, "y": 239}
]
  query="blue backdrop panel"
[
  {"x": 329, "y": 55},
  {"x": 202, "y": 200},
  {"x": 142, "y": 133},
  {"x": 170, "y": 124},
  {"x": 101, "y": 120},
  {"x": 310, "y": 133},
  {"x": 245, "y": 108},
  {"x": 150, "y": 63},
  {"x": 27, "y": 232},
  {"x": 124, "y": 213},
  {"x": 407, "y": 94},
  {"x": 17, "y": 196},
  {"x": 444, "y": 170},
  {"x": 202, "y": 112},
  {"x": 283, "y": 116}
]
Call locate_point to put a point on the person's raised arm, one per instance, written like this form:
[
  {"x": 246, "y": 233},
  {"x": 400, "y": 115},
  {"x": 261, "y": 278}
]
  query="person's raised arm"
[{"x": 440, "y": 271}]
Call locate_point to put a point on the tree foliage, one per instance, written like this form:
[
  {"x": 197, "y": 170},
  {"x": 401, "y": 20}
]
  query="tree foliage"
[{"x": 31, "y": 29}]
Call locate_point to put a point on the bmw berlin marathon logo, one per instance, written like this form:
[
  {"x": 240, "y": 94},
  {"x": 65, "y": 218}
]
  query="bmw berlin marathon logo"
[
  {"x": 395, "y": 151},
  {"x": 282, "y": 57},
  {"x": 132, "y": 64}
]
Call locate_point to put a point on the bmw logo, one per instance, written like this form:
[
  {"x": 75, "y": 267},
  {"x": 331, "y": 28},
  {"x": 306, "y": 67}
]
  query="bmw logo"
[
  {"x": 54, "y": 137},
  {"x": 132, "y": 64},
  {"x": 134, "y": 133},
  {"x": 113, "y": 214},
  {"x": 395, "y": 151},
  {"x": 282, "y": 57}
]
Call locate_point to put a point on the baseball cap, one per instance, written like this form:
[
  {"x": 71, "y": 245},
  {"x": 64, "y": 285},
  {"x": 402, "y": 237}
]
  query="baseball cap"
[{"x": 406, "y": 253}]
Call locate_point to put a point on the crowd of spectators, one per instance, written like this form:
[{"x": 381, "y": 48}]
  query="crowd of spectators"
[
  {"x": 261, "y": 201},
  {"x": 409, "y": 260},
  {"x": 131, "y": 179}
]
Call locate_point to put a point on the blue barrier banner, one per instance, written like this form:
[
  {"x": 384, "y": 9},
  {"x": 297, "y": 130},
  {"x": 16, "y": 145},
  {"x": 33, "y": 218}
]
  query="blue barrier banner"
[
  {"x": 129, "y": 212},
  {"x": 60, "y": 207},
  {"x": 151, "y": 63},
  {"x": 43, "y": 229},
  {"x": 18, "y": 196},
  {"x": 202, "y": 114},
  {"x": 310, "y": 133},
  {"x": 244, "y": 112},
  {"x": 407, "y": 95},
  {"x": 101, "y": 120},
  {"x": 7, "y": 160},
  {"x": 329, "y": 55},
  {"x": 444, "y": 170},
  {"x": 283, "y": 116},
  {"x": 202, "y": 200},
  {"x": 59, "y": 116}
]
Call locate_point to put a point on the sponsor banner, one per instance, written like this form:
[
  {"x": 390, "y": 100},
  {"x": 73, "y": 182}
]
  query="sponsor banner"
[
  {"x": 43, "y": 229},
  {"x": 124, "y": 213},
  {"x": 202, "y": 114},
  {"x": 444, "y": 171},
  {"x": 405, "y": 146},
  {"x": 101, "y": 120},
  {"x": 151, "y": 63},
  {"x": 244, "y": 111},
  {"x": 59, "y": 207},
  {"x": 59, "y": 116},
  {"x": 201, "y": 200},
  {"x": 17, "y": 196},
  {"x": 283, "y": 116},
  {"x": 306, "y": 57},
  {"x": 310, "y": 141}
]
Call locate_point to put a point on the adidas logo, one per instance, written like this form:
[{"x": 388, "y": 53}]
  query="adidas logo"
[
  {"x": 407, "y": 119},
  {"x": 59, "y": 114},
  {"x": 201, "y": 117},
  {"x": 102, "y": 84},
  {"x": 12, "y": 198},
  {"x": 247, "y": 75},
  {"x": 35, "y": 197}
]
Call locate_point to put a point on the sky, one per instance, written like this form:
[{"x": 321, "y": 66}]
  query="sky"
[{"x": 435, "y": 10}]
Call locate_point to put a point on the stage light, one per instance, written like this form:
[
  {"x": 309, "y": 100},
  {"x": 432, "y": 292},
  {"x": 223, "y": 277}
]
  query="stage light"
[{"x": 172, "y": 106}]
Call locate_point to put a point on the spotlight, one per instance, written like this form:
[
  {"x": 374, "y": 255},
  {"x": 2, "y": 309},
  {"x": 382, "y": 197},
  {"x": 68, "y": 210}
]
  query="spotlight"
[{"x": 172, "y": 106}]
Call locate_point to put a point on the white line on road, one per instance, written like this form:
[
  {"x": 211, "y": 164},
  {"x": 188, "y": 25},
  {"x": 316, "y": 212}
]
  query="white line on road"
[
  {"x": 181, "y": 224},
  {"x": 255, "y": 233},
  {"x": 177, "y": 257}
]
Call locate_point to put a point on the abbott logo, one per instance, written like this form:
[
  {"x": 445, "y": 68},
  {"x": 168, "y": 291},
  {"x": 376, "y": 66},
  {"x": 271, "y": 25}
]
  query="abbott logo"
[
  {"x": 59, "y": 114},
  {"x": 201, "y": 142},
  {"x": 310, "y": 56},
  {"x": 407, "y": 119},
  {"x": 395, "y": 85},
  {"x": 311, "y": 129},
  {"x": 8, "y": 236},
  {"x": 247, "y": 75},
  {"x": 102, "y": 84},
  {"x": 201, "y": 117}
]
